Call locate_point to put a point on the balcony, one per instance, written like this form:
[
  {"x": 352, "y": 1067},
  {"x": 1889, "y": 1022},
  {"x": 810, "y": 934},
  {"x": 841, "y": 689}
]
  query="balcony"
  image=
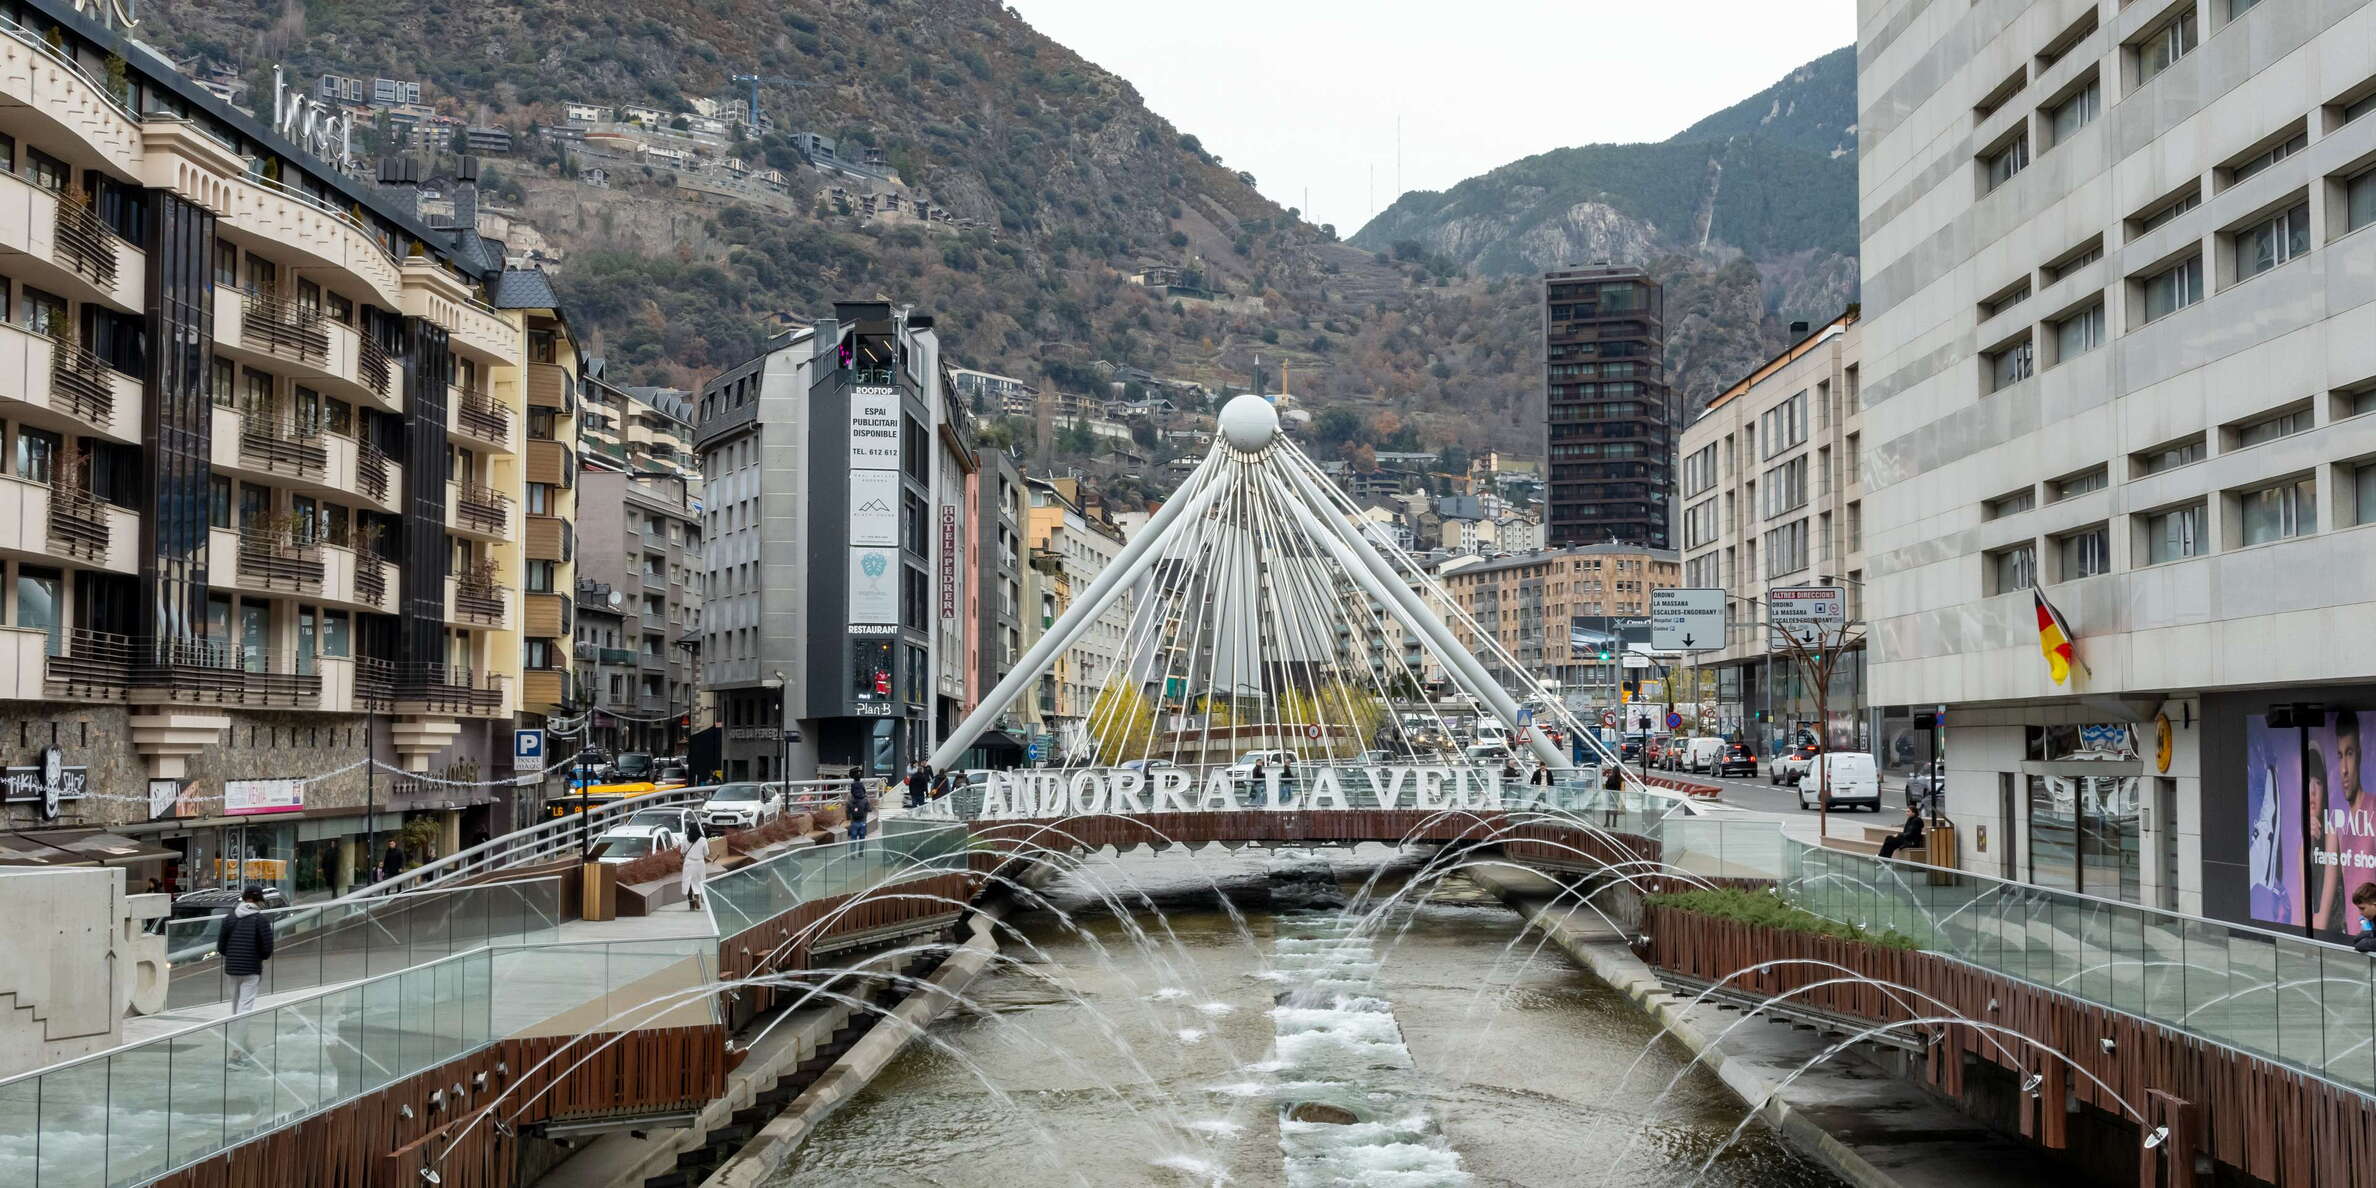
[
  {"x": 542, "y": 687},
  {"x": 479, "y": 510},
  {"x": 473, "y": 597},
  {"x": 448, "y": 689},
  {"x": 430, "y": 292},
  {"x": 374, "y": 475},
  {"x": 618, "y": 656},
  {"x": 282, "y": 328},
  {"x": 372, "y": 587},
  {"x": 373, "y": 369},
  {"x": 546, "y": 615},
  {"x": 273, "y": 556},
  {"x": 103, "y": 666},
  {"x": 77, "y": 526},
  {"x": 90, "y": 666},
  {"x": 375, "y": 685},
  {"x": 548, "y": 538},
  {"x": 85, "y": 243},
  {"x": 275, "y": 443},
  {"x": 548, "y": 387},
  {"x": 60, "y": 246},
  {"x": 550, "y": 462},
  {"x": 80, "y": 393},
  {"x": 475, "y": 414}
]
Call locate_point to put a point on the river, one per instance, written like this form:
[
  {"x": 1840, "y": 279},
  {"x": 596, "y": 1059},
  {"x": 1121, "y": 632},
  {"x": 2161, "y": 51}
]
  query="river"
[{"x": 1454, "y": 1058}]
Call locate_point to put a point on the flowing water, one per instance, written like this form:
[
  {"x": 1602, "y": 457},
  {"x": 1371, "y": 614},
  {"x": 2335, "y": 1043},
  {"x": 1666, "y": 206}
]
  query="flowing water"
[{"x": 1308, "y": 1057}]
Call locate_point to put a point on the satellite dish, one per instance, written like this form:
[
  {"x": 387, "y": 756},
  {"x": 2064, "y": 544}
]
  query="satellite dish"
[{"x": 616, "y": 598}]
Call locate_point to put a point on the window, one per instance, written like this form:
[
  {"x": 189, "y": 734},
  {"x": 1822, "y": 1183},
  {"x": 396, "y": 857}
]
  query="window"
[
  {"x": 2359, "y": 200},
  {"x": 2010, "y": 365},
  {"x": 218, "y": 501},
  {"x": 2363, "y": 494},
  {"x": 2170, "y": 457},
  {"x": 46, "y": 171},
  {"x": 2013, "y": 569},
  {"x": 2084, "y": 553},
  {"x": 37, "y": 454},
  {"x": 1782, "y": 426},
  {"x": 335, "y": 634},
  {"x": 1786, "y": 549},
  {"x": 1998, "y": 95},
  {"x": 2067, "y": 117},
  {"x": 2174, "y": 288},
  {"x": 2273, "y": 241},
  {"x": 2005, "y": 299},
  {"x": 44, "y": 314},
  {"x": 2174, "y": 535},
  {"x": 540, "y": 346},
  {"x": 2237, "y": 8},
  {"x": 38, "y": 608},
  {"x": 2165, "y": 45},
  {"x": 2270, "y": 428},
  {"x": 2009, "y": 505},
  {"x": 2077, "y": 484},
  {"x": 1699, "y": 524},
  {"x": 2080, "y": 333},
  {"x": 2285, "y": 510},
  {"x": 1699, "y": 471},
  {"x": 540, "y": 499},
  {"x": 1785, "y": 487},
  {"x": 2169, "y": 210},
  {"x": 541, "y": 575},
  {"x": 2359, "y": 107},
  {"x": 2075, "y": 259},
  {"x": 2267, "y": 157},
  {"x": 1998, "y": 167}
]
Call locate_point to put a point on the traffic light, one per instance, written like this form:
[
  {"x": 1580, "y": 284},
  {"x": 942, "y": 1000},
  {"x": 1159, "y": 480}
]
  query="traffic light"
[
  {"x": 1604, "y": 654},
  {"x": 1762, "y": 717}
]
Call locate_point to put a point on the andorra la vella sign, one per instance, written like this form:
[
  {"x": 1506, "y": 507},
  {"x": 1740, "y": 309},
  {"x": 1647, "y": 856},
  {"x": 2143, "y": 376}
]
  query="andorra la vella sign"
[{"x": 1094, "y": 791}]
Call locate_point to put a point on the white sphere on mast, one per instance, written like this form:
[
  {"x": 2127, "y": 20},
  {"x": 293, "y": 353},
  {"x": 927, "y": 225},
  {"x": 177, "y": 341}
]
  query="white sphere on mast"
[{"x": 1249, "y": 424}]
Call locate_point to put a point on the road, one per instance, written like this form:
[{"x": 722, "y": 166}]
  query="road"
[{"x": 1759, "y": 795}]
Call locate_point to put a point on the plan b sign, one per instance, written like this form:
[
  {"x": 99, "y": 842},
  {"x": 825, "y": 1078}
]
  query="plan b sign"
[{"x": 1686, "y": 620}]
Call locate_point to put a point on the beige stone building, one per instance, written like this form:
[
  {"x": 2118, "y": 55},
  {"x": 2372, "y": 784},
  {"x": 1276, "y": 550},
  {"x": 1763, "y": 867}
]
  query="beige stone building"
[{"x": 1534, "y": 603}]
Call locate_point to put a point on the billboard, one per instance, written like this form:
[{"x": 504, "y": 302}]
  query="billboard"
[
  {"x": 874, "y": 429},
  {"x": 874, "y": 507},
  {"x": 2309, "y": 823},
  {"x": 874, "y": 585}
]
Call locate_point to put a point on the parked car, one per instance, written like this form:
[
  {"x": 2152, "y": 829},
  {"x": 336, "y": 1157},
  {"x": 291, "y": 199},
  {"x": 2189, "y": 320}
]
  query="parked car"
[
  {"x": 741, "y": 806},
  {"x": 672, "y": 775},
  {"x": 630, "y": 842},
  {"x": 1701, "y": 754},
  {"x": 677, "y": 822},
  {"x": 1792, "y": 763},
  {"x": 1855, "y": 781},
  {"x": 1924, "y": 789},
  {"x": 1737, "y": 759},
  {"x": 1487, "y": 753}
]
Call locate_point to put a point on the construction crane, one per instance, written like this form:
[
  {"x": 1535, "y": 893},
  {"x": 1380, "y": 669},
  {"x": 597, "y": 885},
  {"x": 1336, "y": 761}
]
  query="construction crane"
[{"x": 755, "y": 79}]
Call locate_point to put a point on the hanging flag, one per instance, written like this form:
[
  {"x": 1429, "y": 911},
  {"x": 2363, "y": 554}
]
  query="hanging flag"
[{"x": 2054, "y": 639}]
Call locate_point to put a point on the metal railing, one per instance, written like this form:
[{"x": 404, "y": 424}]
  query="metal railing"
[
  {"x": 482, "y": 507},
  {"x": 79, "y": 375},
  {"x": 279, "y": 326},
  {"x": 477, "y": 414},
  {"x": 371, "y": 471},
  {"x": 561, "y": 837},
  {"x": 372, "y": 367},
  {"x": 77, "y": 526},
  {"x": 282, "y": 444},
  {"x": 85, "y": 240}
]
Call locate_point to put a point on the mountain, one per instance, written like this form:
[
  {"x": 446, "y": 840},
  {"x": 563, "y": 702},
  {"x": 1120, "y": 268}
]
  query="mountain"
[{"x": 1770, "y": 180}]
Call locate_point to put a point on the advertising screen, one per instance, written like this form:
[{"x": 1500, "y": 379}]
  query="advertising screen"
[{"x": 2310, "y": 827}]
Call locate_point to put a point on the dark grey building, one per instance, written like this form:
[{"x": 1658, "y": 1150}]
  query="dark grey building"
[
  {"x": 1612, "y": 420},
  {"x": 819, "y": 601},
  {"x": 640, "y": 534}
]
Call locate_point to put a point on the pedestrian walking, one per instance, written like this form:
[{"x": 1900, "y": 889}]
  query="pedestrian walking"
[
  {"x": 391, "y": 863},
  {"x": 860, "y": 806},
  {"x": 1509, "y": 771},
  {"x": 919, "y": 785},
  {"x": 245, "y": 944},
  {"x": 696, "y": 869},
  {"x": 946, "y": 784}
]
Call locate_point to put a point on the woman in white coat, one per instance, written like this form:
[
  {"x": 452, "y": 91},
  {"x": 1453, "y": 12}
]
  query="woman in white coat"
[{"x": 696, "y": 869}]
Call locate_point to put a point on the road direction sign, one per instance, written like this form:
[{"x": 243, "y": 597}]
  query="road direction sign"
[
  {"x": 1608, "y": 717},
  {"x": 1687, "y": 619},
  {"x": 1823, "y": 606},
  {"x": 1636, "y": 660},
  {"x": 1032, "y": 752},
  {"x": 1674, "y": 720}
]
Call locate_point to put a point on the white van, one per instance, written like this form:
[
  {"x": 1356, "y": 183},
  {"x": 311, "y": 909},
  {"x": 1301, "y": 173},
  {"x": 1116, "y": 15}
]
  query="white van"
[
  {"x": 1702, "y": 754},
  {"x": 1489, "y": 731},
  {"x": 1855, "y": 781}
]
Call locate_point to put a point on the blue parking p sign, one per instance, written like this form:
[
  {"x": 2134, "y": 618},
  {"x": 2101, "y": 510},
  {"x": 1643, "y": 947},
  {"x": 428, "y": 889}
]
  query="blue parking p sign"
[{"x": 528, "y": 745}]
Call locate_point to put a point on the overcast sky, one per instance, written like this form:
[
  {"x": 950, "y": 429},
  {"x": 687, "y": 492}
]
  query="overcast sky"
[{"x": 1305, "y": 93}]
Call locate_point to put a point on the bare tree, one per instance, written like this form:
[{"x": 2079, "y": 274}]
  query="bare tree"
[{"x": 1817, "y": 651}]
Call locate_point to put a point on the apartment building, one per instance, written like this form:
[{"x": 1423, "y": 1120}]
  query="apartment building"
[
  {"x": 819, "y": 545},
  {"x": 2120, "y": 326},
  {"x": 1611, "y": 416},
  {"x": 639, "y": 535},
  {"x": 1534, "y": 603},
  {"x": 1070, "y": 546},
  {"x": 641, "y": 429},
  {"x": 1771, "y": 497},
  {"x": 262, "y": 456}
]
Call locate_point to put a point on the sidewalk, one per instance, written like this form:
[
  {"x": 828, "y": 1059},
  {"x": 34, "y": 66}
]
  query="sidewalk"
[{"x": 1873, "y": 1129}]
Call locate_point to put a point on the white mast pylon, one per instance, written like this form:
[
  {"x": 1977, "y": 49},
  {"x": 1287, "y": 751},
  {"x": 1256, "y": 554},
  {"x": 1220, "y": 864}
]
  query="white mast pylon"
[{"x": 1250, "y": 459}]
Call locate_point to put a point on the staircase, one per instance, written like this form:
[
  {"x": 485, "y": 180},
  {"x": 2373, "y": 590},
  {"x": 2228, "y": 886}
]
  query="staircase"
[{"x": 696, "y": 1165}]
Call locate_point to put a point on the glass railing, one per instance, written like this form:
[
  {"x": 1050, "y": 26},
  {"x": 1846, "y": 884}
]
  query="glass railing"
[
  {"x": 574, "y": 989},
  {"x": 2298, "y": 1002},
  {"x": 132, "y": 1114},
  {"x": 350, "y": 940},
  {"x": 905, "y": 849}
]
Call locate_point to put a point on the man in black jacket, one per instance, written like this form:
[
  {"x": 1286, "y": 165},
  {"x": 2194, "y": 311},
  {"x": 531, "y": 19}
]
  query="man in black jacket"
[
  {"x": 859, "y": 806},
  {"x": 1907, "y": 837},
  {"x": 245, "y": 944}
]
